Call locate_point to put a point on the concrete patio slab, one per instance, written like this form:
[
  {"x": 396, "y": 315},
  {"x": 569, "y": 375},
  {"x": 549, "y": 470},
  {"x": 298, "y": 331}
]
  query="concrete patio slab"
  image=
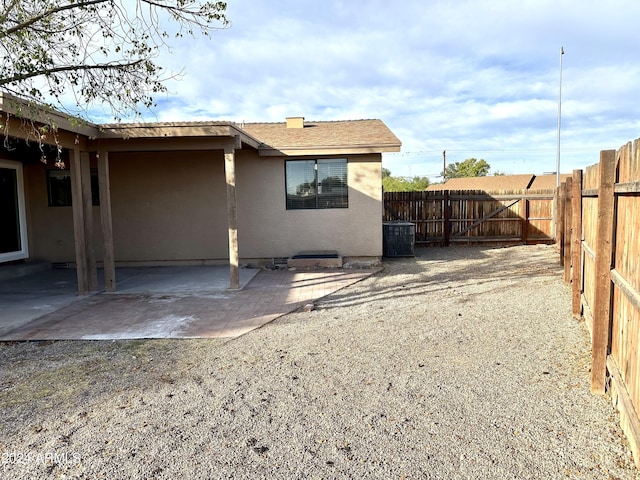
[
  {"x": 27, "y": 297},
  {"x": 179, "y": 279},
  {"x": 28, "y": 294},
  {"x": 151, "y": 306}
]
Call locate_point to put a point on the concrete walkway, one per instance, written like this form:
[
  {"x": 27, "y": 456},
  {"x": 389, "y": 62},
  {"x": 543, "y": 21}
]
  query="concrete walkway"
[{"x": 180, "y": 302}]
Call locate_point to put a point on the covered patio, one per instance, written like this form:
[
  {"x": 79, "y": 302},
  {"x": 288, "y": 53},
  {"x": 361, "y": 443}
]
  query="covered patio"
[{"x": 85, "y": 150}]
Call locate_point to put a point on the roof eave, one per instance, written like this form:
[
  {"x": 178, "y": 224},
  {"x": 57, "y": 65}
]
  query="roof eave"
[
  {"x": 200, "y": 130},
  {"x": 269, "y": 151},
  {"x": 17, "y": 107}
]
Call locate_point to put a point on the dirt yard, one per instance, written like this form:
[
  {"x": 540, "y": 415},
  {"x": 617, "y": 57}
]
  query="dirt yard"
[{"x": 460, "y": 363}]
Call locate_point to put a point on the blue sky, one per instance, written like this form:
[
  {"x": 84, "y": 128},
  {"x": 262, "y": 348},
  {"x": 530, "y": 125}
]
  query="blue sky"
[{"x": 475, "y": 78}]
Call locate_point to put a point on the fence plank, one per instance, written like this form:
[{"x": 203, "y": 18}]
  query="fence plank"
[
  {"x": 604, "y": 246},
  {"x": 628, "y": 416},
  {"x": 576, "y": 244},
  {"x": 487, "y": 217}
]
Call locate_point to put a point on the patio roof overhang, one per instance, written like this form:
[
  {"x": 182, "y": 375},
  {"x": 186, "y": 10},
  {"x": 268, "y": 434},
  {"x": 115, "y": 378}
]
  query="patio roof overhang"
[
  {"x": 23, "y": 119},
  {"x": 173, "y": 136},
  {"x": 39, "y": 124}
]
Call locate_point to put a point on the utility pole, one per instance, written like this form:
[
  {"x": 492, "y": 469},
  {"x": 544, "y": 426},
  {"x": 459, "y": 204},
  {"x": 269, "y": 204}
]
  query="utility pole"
[
  {"x": 444, "y": 165},
  {"x": 559, "y": 115}
]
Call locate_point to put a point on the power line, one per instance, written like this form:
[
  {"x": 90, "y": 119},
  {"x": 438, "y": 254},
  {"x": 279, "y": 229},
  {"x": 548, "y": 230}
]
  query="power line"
[{"x": 529, "y": 150}]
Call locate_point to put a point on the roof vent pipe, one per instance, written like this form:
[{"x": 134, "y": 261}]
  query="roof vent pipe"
[{"x": 295, "y": 122}]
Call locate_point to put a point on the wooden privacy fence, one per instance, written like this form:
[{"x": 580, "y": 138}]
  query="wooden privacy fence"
[
  {"x": 474, "y": 216},
  {"x": 600, "y": 248}
]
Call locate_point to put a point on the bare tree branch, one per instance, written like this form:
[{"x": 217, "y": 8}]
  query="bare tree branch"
[
  {"x": 48, "y": 13},
  {"x": 5, "y": 14},
  {"x": 98, "y": 52},
  {"x": 71, "y": 68}
]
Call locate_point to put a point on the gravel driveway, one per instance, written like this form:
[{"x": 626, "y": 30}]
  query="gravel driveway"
[{"x": 461, "y": 363}]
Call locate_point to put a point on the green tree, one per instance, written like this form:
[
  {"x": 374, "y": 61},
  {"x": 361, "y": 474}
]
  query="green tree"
[
  {"x": 402, "y": 184},
  {"x": 98, "y": 52},
  {"x": 470, "y": 167}
]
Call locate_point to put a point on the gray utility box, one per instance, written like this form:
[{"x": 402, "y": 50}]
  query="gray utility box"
[{"x": 399, "y": 239}]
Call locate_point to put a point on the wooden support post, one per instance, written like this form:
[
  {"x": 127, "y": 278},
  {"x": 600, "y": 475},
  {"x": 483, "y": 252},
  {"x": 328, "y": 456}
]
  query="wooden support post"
[
  {"x": 107, "y": 222},
  {"x": 568, "y": 185},
  {"x": 232, "y": 218},
  {"x": 576, "y": 244},
  {"x": 87, "y": 206},
  {"x": 78, "y": 222},
  {"x": 604, "y": 247}
]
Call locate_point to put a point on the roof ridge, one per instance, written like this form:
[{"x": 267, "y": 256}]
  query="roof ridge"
[{"x": 313, "y": 121}]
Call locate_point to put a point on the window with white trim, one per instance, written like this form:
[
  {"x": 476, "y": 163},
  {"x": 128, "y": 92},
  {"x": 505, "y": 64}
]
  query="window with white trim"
[{"x": 316, "y": 184}]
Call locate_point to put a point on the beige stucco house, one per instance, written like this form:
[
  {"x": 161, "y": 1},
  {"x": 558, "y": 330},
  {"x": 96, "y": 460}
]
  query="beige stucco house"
[{"x": 189, "y": 193}]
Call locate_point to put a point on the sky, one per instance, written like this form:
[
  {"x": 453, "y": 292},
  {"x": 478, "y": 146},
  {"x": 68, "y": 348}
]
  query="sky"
[{"x": 474, "y": 78}]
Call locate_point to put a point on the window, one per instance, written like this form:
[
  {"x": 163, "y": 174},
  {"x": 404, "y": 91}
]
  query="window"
[
  {"x": 59, "y": 187},
  {"x": 313, "y": 184}
]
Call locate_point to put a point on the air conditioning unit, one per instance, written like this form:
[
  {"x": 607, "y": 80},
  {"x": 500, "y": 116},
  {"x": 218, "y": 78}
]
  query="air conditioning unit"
[{"x": 399, "y": 239}]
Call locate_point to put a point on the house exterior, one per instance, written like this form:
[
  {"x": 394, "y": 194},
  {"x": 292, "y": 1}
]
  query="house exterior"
[{"x": 189, "y": 193}]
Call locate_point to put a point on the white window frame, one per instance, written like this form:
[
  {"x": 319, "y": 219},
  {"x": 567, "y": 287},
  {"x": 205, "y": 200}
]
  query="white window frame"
[{"x": 22, "y": 217}]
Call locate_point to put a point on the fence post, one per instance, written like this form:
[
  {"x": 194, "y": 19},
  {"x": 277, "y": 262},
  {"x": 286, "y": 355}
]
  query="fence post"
[
  {"x": 568, "y": 224},
  {"x": 446, "y": 215},
  {"x": 525, "y": 220},
  {"x": 560, "y": 220},
  {"x": 576, "y": 244},
  {"x": 604, "y": 247}
]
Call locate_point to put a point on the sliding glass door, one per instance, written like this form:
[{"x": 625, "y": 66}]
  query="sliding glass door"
[{"x": 13, "y": 234}]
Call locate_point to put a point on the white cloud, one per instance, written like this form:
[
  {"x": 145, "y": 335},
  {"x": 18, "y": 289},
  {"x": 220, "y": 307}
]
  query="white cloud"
[{"x": 477, "y": 78}]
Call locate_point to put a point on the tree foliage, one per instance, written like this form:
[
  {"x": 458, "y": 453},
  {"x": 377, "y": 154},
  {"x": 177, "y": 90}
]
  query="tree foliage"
[
  {"x": 402, "y": 184},
  {"x": 103, "y": 52},
  {"x": 470, "y": 167}
]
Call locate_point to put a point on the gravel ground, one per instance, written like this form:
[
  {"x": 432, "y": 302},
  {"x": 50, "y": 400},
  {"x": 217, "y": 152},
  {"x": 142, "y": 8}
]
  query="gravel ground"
[{"x": 461, "y": 363}]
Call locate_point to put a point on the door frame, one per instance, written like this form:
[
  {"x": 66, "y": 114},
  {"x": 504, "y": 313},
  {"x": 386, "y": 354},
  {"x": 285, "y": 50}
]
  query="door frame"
[{"x": 22, "y": 217}]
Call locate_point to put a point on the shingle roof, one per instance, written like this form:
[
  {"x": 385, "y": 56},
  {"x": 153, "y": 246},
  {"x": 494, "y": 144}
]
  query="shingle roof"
[
  {"x": 502, "y": 182},
  {"x": 547, "y": 181},
  {"x": 325, "y": 135},
  {"x": 346, "y": 136}
]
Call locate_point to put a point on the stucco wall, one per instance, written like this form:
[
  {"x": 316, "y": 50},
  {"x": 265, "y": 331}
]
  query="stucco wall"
[
  {"x": 266, "y": 229},
  {"x": 171, "y": 206},
  {"x": 168, "y": 206},
  {"x": 50, "y": 229}
]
